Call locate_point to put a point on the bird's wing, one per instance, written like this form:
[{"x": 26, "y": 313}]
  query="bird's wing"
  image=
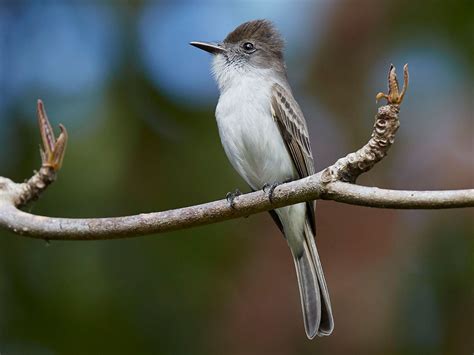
[{"x": 290, "y": 120}]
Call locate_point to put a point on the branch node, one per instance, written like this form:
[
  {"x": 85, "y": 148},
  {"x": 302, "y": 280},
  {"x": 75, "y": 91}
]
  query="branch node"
[
  {"x": 327, "y": 176},
  {"x": 52, "y": 154},
  {"x": 53, "y": 150},
  {"x": 394, "y": 96}
]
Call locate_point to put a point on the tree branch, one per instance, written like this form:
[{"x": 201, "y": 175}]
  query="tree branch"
[
  {"x": 310, "y": 188},
  {"x": 333, "y": 183}
]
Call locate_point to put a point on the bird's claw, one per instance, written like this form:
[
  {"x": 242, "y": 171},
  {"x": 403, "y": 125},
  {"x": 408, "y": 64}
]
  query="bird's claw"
[
  {"x": 269, "y": 188},
  {"x": 52, "y": 151},
  {"x": 230, "y": 197}
]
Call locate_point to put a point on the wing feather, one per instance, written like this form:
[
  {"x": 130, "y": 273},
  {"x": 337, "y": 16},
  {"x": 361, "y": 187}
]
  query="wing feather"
[{"x": 291, "y": 122}]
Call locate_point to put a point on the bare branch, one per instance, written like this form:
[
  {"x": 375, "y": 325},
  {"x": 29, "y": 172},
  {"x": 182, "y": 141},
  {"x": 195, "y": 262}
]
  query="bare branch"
[
  {"x": 397, "y": 199},
  {"x": 310, "y": 188},
  {"x": 333, "y": 183}
]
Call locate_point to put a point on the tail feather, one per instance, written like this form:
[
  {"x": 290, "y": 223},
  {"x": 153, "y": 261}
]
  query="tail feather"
[
  {"x": 314, "y": 294},
  {"x": 309, "y": 292},
  {"x": 326, "y": 325}
]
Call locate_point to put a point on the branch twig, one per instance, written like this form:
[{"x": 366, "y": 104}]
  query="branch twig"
[{"x": 333, "y": 183}]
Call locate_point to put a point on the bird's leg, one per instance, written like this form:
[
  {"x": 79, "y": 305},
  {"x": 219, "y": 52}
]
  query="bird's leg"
[
  {"x": 230, "y": 197},
  {"x": 269, "y": 188}
]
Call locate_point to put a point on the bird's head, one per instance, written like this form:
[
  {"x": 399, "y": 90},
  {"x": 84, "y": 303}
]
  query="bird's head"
[{"x": 252, "y": 48}]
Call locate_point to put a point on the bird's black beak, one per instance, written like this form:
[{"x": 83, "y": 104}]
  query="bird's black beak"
[{"x": 212, "y": 48}]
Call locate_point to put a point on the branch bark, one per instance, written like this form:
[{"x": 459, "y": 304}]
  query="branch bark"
[{"x": 333, "y": 183}]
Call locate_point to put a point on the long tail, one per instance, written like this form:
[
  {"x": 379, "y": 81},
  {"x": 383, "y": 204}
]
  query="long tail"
[{"x": 317, "y": 313}]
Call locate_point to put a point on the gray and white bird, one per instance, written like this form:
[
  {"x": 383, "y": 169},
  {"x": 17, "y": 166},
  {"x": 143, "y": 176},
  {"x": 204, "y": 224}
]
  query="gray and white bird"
[{"x": 265, "y": 137}]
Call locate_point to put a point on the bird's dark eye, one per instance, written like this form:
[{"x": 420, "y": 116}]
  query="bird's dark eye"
[{"x": 249, "y": 47}]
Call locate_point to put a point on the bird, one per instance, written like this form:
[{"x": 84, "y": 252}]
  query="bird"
[{"x": 265, "y": 137}]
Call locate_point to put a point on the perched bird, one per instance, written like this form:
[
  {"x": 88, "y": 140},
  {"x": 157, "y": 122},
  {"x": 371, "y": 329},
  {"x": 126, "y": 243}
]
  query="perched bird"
[{"x": 265, "y": 137}]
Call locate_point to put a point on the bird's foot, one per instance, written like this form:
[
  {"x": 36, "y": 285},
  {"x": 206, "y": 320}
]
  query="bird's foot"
[
  {"x": 230, "y": 197},
  {"x": 269, "y": 188}
]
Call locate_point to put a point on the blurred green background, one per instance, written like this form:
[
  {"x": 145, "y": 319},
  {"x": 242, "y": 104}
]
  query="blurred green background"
[{"x": 138, "y": 103}]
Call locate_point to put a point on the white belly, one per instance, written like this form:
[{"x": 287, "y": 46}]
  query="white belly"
[{"x": 250, "y": 136}]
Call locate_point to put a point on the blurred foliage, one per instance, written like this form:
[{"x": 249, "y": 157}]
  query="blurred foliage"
[{"x": 401, "y": 282}]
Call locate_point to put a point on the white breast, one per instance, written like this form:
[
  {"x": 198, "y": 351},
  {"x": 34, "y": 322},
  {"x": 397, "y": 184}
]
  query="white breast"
[{"x": 250, "y": 136}]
